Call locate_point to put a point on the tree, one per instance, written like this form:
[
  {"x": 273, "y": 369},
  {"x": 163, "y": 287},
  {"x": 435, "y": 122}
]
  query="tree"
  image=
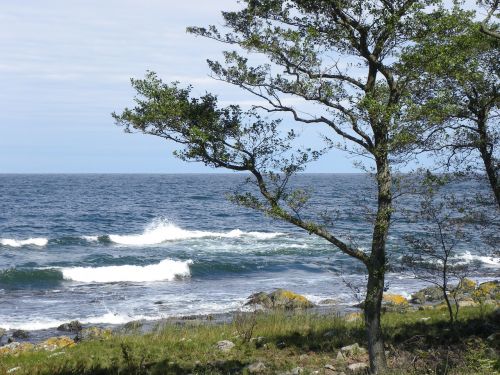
[
  {"x": 338, "y": 55},
  {"x": 432, "y": 252},
  {"x": 492, "y": 6},
  {"x": 456, "y": 108}
]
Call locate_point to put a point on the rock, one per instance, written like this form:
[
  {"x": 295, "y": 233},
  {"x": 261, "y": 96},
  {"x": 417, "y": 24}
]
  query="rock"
[
  {"x": 467, "y": 302},
  {"x": 256, "y": 368},
  {"x": 73, "y": 326},
  {"x": 13, "y": 369},
  {"x": 489, "y": 290},
  {"x": 394, "y": 303},
  {"x": 258, "y": 341},
  {"x": 330, "y": 367},
  {"x": 494, "y": 337},
  {"x": 2, "y": 332},
  {"x": 20, "y": 334},
  {"x": 466, "y": 285},
  {"x": 16, "y": 347},
  {"x": 55, "y": 343},
  {"x": 133, "y": 325},
  {"x": 281, "y": 345},
  {"x": 296, "y": 371},
  {"x": 93, "y": 333},
  {"x": 329, "y": 334},
  {"x": 429, "y": 294},
  {"x": 352, "y": 350},
  {"x": 280, "y": 299},
  {"x": 360, "y": 366},
  {"x": 225, "y": 345}
]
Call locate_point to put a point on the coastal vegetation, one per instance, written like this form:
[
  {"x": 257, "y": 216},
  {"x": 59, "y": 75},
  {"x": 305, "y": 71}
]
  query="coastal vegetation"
[{"x": 283, "y": 342}]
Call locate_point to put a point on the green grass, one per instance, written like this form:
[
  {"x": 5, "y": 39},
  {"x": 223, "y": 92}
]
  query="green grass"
[{"x": 418, "y": 343}]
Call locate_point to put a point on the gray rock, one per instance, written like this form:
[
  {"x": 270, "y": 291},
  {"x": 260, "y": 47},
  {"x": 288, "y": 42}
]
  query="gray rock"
[
  {"x": 296, "y": 371},
  {"x": 328, "y": 301},
  {"x": 225, "y": 345},
  {"x": 352, "y": 350},
  {"x": 20, "y": 334},
  {"x": 135, "y": 324},
  {"x": 256, "y": 368},
  {"x": 73, "y": 326},
  {"x": 2, "y": 332},
  {"x": 330, "y": 367},
  {"x": 360, "y": 366}
]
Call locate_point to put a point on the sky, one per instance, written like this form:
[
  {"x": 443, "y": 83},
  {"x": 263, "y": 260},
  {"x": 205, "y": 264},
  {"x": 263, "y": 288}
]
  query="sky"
[{"x": 65, "y": 66}]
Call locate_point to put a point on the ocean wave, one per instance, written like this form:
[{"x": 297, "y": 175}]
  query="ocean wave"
[
  {"x": 160, "y": 231},
  {"x": 166, "y": 270},
  {"x": 40, "y": 277},
  {"x": 467, "y": 257},
  {"x": 37, "y": 241}
]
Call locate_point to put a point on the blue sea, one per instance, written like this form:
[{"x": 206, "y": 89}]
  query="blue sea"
[{"x": 108, "y": 249}]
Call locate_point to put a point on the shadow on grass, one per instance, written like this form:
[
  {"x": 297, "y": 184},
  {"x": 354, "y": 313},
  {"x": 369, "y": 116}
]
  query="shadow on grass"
[{"x": 164, "y": 367}]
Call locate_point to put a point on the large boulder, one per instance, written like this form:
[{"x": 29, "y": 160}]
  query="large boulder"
[
  {"x": 394, "y": 303},
  {"x": 20, "y": 334},
  {"x": 93, "y": 333},
  {"x": 489, "y": 290},
  {"x": 16, "y": 347},
  {"x": 55, "y": 343},
  {"x": 225, "y": 345},
  {"x": 73, "y": 326},
  {"x": 429, "y": 294},
  {"x": 280, "y": 299}
]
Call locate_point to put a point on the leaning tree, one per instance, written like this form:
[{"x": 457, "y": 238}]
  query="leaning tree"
[{"x": 336, "y": 58}]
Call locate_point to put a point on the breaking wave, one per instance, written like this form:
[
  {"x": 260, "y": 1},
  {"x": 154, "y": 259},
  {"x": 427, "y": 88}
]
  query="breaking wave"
[
  {"x": 467, "y": 257},
  {"x": 161, "y": 231},
  {"x": 38, "y": 241},
  {"x": 166, "y": 270}
]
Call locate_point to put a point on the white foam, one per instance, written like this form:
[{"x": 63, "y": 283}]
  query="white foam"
[
  {"x": 38, "y": 241},
  {"x": 90, "y": 238},
  {"x": 161, "y": 231},
  {"x": 166, "y": 270},
  {"x": 491, "y": 261}
]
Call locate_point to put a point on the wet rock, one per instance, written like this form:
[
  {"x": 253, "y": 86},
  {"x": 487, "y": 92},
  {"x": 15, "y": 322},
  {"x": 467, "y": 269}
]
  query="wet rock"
[
  {"x": 280, "y": 299},
  {"x": 73, "y": 326},
  {"x": 225, "y": 345},
  {"x": 20, "y": 334},
  {"x": 55, "y": 343},
  {"x": 256, "y": 368},
  {"x": 93, "y": 333},
  {"x": 358, "y": 367}
]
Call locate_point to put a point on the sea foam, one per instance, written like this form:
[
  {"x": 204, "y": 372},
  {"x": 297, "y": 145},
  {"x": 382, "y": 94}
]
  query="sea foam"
[
  {"x": 166, "y": 270},
  {"x": 161, "y": 231},
  {"x": 467, "y": 257},
  {"x": 38, "y": 241}
]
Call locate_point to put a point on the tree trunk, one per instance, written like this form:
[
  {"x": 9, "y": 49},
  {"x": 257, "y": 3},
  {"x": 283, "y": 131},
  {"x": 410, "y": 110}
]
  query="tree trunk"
[
  {"x": 376, "y": 269},
  {"x": 486, "y": 155}
]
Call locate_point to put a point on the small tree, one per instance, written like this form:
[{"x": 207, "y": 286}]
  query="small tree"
[{"x": 432, "y": 253}]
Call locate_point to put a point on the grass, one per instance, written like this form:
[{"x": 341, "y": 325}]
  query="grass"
[{"x": 418, "y": 342}]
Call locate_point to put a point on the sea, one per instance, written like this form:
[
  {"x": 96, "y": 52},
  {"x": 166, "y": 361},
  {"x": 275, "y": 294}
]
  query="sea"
[{"x": 113, "y": 248}]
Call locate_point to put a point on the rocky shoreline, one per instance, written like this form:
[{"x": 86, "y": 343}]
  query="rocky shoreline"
[{"x": 467, "y": 293}]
